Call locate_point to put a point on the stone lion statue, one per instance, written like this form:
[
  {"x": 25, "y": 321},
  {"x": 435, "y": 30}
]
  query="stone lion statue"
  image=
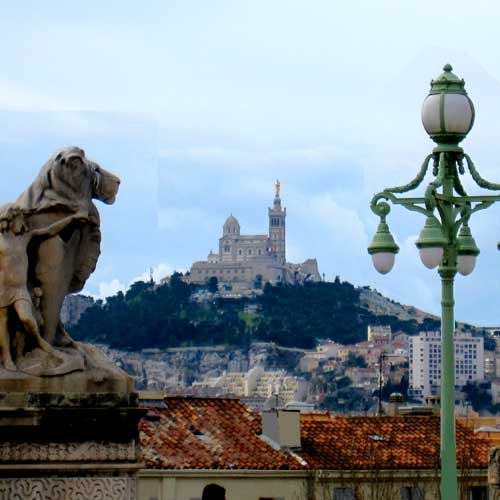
[{"x": 49, "y": 245}]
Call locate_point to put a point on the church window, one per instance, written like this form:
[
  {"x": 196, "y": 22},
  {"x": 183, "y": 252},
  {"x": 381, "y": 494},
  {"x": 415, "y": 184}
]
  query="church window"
[
  {"x": 249, "y": 251},
  {"x": 227, "y": 248},
  {"x": 239, "y": 251}
]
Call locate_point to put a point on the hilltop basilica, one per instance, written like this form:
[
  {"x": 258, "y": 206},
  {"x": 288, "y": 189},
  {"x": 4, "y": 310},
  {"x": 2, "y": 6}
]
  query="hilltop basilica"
[{"x": 247, "y": 261}]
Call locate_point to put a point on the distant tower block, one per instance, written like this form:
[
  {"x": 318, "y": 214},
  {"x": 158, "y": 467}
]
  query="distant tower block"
[{"x": 277, "y": 227}]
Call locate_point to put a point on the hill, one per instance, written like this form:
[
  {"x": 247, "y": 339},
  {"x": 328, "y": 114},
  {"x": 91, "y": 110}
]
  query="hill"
[
  {"x": 173, "y": 315},
  {"x": 380, "y": 305}
]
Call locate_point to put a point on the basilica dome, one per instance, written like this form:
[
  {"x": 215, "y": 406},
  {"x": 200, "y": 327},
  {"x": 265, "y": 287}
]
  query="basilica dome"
[{"x": 231, "y": 226}]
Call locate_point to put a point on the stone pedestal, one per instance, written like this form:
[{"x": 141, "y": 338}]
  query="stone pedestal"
[{"x": 69, "y": 446}]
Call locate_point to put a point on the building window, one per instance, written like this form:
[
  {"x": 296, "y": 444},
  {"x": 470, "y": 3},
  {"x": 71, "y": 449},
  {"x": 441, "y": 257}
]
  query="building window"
[
  {"x": 343, "y": 494},
  {"x": 239, "y": 252},
  {"x": 227, "y": 248},
  {"x": 260, "y": 251},
  {"x": 478, "y": 493},
  {"x": 249, "y": 251},
  {"x": 411, "y": 493}
]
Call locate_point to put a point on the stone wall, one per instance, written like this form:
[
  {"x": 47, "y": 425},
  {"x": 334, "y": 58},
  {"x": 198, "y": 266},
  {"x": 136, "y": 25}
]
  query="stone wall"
[{"x": 69, "y": 446}]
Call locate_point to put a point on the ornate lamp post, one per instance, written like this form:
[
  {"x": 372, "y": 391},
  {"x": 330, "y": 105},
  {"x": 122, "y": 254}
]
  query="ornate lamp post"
[{"x": 445, "y": 240}]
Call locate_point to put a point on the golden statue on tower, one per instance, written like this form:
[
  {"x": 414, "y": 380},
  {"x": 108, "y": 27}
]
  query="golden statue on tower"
[{"x": 278, "y": 187}]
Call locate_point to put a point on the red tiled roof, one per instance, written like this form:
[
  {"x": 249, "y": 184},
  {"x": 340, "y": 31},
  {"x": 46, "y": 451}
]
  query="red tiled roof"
[
  {"x": 205, "y": 433},
  {"x": 213, "y": 433},
  {"x": 409, "y": 442}
]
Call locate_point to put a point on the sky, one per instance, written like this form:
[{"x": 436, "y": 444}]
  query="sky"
[{"x": 200, "y": 106}]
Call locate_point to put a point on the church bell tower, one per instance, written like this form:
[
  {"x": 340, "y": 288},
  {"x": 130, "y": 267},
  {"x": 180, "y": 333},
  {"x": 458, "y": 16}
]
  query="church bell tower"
[{"x": 277, "y": 227}]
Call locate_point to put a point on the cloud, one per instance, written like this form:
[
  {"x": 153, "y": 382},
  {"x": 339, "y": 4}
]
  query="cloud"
[
  {"x": 175, "y": 217},
  {"x": 344, "y": 222},
  {"x": 16, "y": 97},
  {"x": 320, "y": 226},
  {"x": 110, "y": 288},
  {"x": 159, "y": 271},
  {"x": 107, "y": 289}
]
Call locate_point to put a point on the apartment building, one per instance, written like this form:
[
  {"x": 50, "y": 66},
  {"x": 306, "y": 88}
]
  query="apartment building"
[{"x": 425, "y": 362}]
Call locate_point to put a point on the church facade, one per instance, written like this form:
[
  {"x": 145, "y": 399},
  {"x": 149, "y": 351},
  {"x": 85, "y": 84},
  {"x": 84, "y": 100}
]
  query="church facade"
[{"x": 246, "y": 261}]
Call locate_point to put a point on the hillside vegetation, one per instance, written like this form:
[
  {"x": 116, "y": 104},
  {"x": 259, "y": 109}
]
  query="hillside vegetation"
[{"x": 165, "y": 316}]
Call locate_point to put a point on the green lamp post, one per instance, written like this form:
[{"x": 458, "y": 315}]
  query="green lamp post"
[{"x": 445, "y": 241}]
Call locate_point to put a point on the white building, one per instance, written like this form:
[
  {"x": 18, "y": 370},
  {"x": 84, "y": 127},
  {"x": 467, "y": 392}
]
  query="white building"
[
  {"x": 490, "y": 362},
  {"x": 255, "y": 382},
  {"x": 379, "y": 334},
  {"x": 425, "y": 362},
  {"x": 495, "y": 391}
]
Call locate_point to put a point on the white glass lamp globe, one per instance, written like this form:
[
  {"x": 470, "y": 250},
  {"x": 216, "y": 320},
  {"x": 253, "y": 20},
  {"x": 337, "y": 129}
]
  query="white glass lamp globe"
[
  {"x": 447, "y": 112},
  {"x": 466, "y": 264},
  {"x": 431, "y": 257},
  {"x": 457, "y": 114},
  {"x": 383, "y": 261}
]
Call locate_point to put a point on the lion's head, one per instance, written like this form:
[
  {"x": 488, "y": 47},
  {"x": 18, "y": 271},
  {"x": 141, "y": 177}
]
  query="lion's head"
[
  {"x": 82, "y": 175},
  {"x": 70, "y": 179}
]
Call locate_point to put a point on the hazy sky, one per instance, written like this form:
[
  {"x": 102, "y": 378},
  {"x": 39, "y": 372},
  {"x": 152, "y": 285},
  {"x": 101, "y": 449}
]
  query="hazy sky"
[{"x": 200, "y": 105}]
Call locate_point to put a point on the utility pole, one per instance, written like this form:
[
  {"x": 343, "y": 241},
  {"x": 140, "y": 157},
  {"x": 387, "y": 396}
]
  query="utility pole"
[{"x": 383, "y": 355}]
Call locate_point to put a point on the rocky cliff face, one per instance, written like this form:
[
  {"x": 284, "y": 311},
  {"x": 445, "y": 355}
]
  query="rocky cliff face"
[
  {"x": 179, "y": 367},
  {"x": 74, "y": 306}
]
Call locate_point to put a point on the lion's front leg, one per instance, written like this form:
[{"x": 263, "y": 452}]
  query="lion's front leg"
[{"x": 54, "y": 271}]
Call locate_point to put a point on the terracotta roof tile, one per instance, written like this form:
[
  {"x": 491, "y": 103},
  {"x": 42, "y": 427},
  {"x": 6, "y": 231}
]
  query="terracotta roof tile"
[
  {"x": 409, "y": 442},
  {"x": 204, "y": 433}
]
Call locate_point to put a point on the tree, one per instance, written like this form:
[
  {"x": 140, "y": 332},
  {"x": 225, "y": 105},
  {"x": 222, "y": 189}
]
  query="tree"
[
  {"x": 391, "y": 387},
  {"x": 355, "y": 361},
  {"x": 343, "y": 382},
  {"x": 213, "y": 284},
  {"x": 290, "y": 315},
  {"x": 478, "y": 394},
  {"x": 136, "y": 289},
  {"x": 258, "y": 282}
]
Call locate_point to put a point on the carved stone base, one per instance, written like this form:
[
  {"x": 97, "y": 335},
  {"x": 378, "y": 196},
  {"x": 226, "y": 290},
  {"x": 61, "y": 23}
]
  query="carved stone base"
[
  {"x": 69, "y": 446},
  {"x": 90, "y": 487}
]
